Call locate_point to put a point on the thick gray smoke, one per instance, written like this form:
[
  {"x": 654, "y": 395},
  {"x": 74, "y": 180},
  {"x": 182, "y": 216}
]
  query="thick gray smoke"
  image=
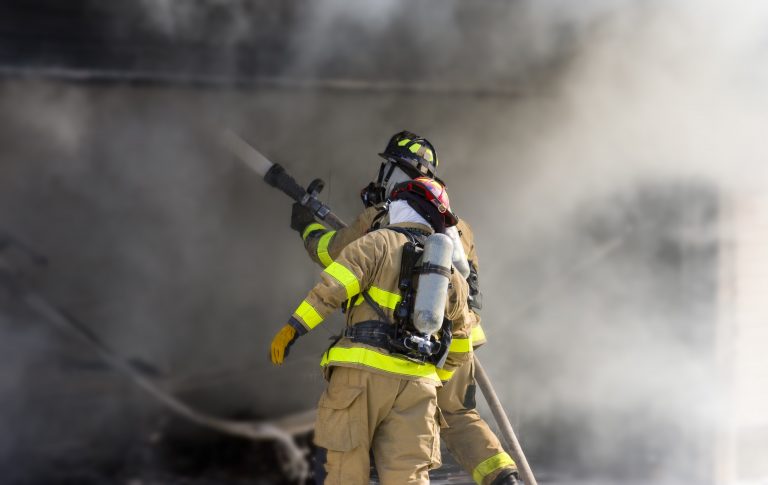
[
  {"x": 226, "y": 20},
  {"x": 595, "y": 194}
]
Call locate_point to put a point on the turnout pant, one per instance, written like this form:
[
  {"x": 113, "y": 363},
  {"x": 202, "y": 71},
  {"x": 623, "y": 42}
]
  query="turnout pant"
[
  {"x": 397, "y": 419},
  {"x": 468, "y": 437}
]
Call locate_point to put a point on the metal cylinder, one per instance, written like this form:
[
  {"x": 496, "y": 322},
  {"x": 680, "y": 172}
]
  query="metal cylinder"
[{"x": 432, "y": 289}]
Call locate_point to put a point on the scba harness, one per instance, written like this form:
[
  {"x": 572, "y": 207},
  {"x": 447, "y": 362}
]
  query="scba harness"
[{"x": 401, "y": 337}]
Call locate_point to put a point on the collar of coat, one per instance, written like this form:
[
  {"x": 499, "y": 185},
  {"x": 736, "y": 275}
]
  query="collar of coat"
[{"x": 427, "y": 230}]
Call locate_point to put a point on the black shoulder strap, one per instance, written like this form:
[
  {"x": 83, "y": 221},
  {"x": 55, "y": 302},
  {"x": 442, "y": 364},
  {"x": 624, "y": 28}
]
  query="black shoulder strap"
[{"x": 416, "y": 237}]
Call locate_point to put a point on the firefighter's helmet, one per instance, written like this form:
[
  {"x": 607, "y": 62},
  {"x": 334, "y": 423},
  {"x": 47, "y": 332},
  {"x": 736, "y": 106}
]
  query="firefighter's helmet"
[
  {"x": 413, "y": 153},
  {"x": 429, "y": 198}
]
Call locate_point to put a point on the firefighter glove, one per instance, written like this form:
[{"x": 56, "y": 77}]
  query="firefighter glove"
[
  {"x": 301, "y": 217},
  {"x": 281, "y": 344}
]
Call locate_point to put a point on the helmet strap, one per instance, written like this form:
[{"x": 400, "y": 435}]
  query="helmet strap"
[
  {"x": 395, "y": 176},
  {"x": 384, "y": 172}
]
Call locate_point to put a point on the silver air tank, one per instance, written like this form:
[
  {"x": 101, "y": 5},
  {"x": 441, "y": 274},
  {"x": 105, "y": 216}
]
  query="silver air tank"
[
  {"x": 432, "y": 289},
  {"x": 459, "y": 257}
]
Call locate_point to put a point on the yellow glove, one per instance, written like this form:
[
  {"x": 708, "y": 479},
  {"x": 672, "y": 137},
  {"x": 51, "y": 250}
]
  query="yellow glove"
[{"x": 282, "y": 343}]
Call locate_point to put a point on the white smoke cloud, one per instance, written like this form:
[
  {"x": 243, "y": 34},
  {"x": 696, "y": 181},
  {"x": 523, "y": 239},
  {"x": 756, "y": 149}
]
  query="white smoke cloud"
[{"x": 652, "y": 93}]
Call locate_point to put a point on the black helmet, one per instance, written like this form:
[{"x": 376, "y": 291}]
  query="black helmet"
[{"x": 414, "y": 154}]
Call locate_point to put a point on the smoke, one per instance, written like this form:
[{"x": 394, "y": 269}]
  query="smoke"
[
  {"x": 226, "y": 21},
  {"x": 595, "y": 194},
  {"x": 652, "y": 95}
]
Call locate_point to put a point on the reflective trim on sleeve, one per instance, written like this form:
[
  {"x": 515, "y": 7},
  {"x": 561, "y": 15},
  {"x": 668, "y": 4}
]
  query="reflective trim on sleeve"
[
  {"x": 377, "y": 360},
  {"x": 322, "y": 248},
  {"x": 310, "y": 229},
  {"x": 306, "y": 313},
  {"x": 460, "y": 345},
  {"x": 344, "y": 276},
  {"x": 502, "y": 460},
  {"x": 444, "y": 375},
  {"x": 478, "y": 335}
]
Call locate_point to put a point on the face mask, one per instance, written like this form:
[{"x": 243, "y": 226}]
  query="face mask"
[{"x": 377, "y": 192}]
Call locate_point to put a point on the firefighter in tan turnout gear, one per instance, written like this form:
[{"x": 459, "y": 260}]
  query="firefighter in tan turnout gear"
[
  {"x": 383, "y": 371},
  {"x": 467, "y": 436}
]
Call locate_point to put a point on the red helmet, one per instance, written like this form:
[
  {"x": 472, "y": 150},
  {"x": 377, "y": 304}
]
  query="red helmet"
[{"x": 429, "y": 198}]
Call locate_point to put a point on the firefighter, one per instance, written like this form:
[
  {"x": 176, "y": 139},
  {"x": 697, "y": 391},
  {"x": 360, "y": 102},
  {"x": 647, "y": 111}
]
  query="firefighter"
[
  {"x": 468, "y": 437},
  {"x": 383, "y": 377}
]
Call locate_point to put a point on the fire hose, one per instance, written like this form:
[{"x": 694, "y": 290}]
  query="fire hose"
[
  {"x": 276, "y": 176},
  {"x": 294, "y": 464}
]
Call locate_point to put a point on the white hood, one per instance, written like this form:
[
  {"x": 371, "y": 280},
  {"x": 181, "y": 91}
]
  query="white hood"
[{"x": 400, "y": 211}]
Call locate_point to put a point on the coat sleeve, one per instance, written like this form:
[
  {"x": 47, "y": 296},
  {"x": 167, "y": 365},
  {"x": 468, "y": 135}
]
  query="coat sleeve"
[
  {"x": 468, "y": 241},
  {"x": 325, "y": 245},
  {"x": 462, "y": 320},
  {"x": 458, "y": 291},
  {"x": 340, "y": 281}
]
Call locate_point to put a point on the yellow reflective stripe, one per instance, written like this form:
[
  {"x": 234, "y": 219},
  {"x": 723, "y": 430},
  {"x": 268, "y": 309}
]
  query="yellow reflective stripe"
[
  {"x": 310, "y": 229},
  {"x": 308, "y": 315},
  {"x": 444, "y": 375},
  {"x": 502, "y": 460},
  {"x": 377, "y": 360},
  {"x": 478, "y": 334},
  {"x": 428, "y": 155},
  {"x": 403, "y": 142},
  {"x": 322, "y": 248},
  {"x": 346, "y": 277},
  {"x": 462, "y": 345},
  {"x": 384, "y": 297},
  {"x": 415, "y": 147}
]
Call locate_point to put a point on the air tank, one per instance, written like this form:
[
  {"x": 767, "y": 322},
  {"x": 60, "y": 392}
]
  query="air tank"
[
  {"x": 432, "y": 289},
  {"x": 459, "y": 257}
]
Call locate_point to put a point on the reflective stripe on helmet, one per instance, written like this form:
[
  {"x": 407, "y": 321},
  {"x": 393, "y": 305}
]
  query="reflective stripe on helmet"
[
  {"x": 307, "y": 314},
  {"x": 344, "y": 276},
  {"x": 377, "y": 360},
  {"x": 310, "y": 229},
  {"x": 322, "y": 248},
  {"x": 412, "y": 151},
  {"x": 502, "y": 460}
]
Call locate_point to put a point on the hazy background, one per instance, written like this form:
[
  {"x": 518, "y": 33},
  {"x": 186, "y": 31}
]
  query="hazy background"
[{"x": 589, "y": 144}]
